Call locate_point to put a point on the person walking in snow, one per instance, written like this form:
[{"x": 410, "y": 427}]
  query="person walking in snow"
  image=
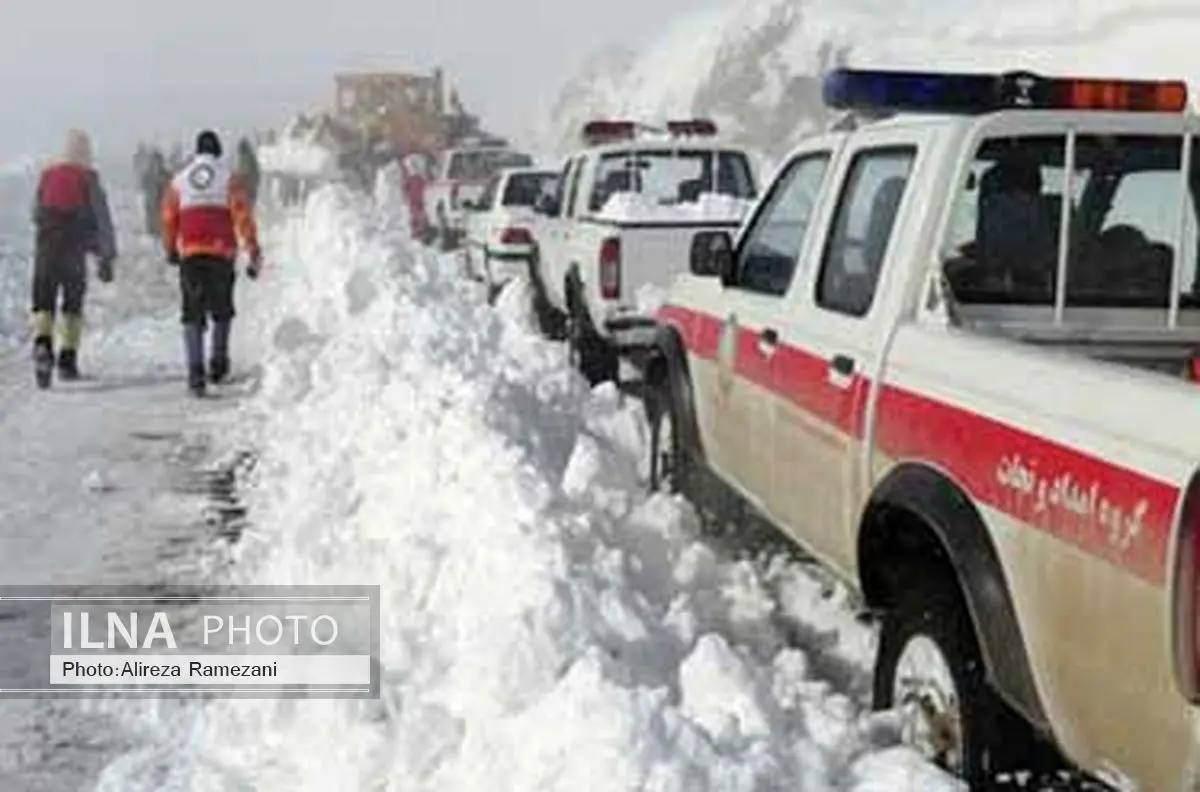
[
  {"x": 248, "y": 169},
  {"x": 205, "y": 213},
  {"x": 154, "y": 180},
  {"x": 71, "y": 220}
]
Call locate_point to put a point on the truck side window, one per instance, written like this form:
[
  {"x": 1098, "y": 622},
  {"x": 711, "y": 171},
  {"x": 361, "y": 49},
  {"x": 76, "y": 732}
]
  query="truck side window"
[
  {"x": 1003, "y": 242},
  {"x": 773, "y": 245},
  {"x": 1124, "y": 232},
  {"x": 1124, "y": 223},
  {"x": 862, "y": 227}
]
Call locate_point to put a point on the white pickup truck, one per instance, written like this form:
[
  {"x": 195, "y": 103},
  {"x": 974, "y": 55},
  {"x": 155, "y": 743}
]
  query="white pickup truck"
[
  {"x": 949, "y": 355},
  {"x": 499, "y": 242},
  {"x": 621, "y": 224},
  {"x": 460, "y": 177}
]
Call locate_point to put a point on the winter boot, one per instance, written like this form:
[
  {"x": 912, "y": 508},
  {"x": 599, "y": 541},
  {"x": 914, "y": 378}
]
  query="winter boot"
[
  {"x": 193, "y": 343},
  {"x": 70, "y": 332},
  {"x": 218, "y": 367},
  {"x": 43, "y": 360},
  {"x": 68, "y": 368},
  {"x": 218, "y": 370},
  {"x": 196, "y": 380}
]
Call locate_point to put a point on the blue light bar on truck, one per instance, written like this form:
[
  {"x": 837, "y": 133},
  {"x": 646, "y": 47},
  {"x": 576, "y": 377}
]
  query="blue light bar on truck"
[{"x": 936, "y": 92}]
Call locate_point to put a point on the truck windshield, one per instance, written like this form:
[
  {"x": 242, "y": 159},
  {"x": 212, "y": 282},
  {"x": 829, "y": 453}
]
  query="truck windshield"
[
  {"x": 1126, "y": 205},
  {"x": 523, "y": 189},
  {"x": 482, "y": 164},
  {"x": 671, "y": 176}
]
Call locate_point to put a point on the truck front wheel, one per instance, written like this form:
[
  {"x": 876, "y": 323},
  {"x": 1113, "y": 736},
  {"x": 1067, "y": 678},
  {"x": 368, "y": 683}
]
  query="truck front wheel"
[
  {"x": 666, "y": 463},
  {"x": 930, "y": 671}
]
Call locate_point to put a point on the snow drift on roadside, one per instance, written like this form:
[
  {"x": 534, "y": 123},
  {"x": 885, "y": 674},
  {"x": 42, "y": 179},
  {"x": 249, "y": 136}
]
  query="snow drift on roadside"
[{"x": 543, "y": 625}]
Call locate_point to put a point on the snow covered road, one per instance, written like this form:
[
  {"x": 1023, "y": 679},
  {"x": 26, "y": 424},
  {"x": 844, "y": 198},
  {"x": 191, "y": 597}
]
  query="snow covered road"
[
  {"x": 544, "y": 625},
  {"x": 91, "y": 478}
]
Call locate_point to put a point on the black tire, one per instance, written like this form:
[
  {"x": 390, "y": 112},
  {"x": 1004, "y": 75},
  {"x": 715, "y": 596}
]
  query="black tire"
[
  {"x": 595, "y": 358},
  {"x": 667, "y": 466},
  {"x": 931, "y": 607},
  {"x": 552, "y": 323}
]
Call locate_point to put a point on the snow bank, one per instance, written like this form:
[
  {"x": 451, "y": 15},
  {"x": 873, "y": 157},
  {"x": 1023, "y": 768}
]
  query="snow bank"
[
  {"x": 709, "y": 207},
  {"x": 544, "y": 626},
  {"x": 297, "y": 157}
]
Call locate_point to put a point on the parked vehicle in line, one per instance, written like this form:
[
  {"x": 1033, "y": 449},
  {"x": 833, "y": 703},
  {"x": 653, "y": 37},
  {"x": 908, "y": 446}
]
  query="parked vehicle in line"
[
  {"x": 499, "y": 238},
  {"x": 618, "y": 230},
  {"x": 460, "y": 175}
]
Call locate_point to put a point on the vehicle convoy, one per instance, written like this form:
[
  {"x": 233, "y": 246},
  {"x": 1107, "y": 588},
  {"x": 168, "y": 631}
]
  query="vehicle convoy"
[
  {"x": 460, "y": 176},
  {"x": 499, "y": 239},
  {"x": 620, "y": 225},
  {"x": 948, "y": 356}
]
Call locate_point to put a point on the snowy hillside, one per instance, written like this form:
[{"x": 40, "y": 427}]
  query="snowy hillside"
[{"x": 752, "y": 64}]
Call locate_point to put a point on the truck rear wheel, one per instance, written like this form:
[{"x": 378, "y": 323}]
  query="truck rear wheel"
[
  {"x": 551, "y": 321},
  {"x": 592, "y": 355},
  {"x": 931, "y": 670}
]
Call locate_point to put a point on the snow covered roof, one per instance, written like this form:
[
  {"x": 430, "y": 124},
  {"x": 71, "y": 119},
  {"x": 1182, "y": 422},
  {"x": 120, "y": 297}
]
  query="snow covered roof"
[{"x": 711, "y": 207}]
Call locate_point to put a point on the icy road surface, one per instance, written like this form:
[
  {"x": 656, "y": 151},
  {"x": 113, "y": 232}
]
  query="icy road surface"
[{"x": 544, "y": 626}]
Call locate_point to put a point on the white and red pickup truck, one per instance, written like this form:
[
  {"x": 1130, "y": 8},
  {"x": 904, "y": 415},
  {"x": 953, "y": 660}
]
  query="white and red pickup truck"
[
  {"x": 971, "y": 399},
  {"x": 620, "y": 226},
  {"x": 460, "y": 176}
]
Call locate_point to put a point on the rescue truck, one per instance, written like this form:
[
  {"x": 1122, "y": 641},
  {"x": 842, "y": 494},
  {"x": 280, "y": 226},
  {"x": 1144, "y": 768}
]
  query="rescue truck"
[
  {"x": 949, "y": 354},
  {"x": 620, "y": 225}
]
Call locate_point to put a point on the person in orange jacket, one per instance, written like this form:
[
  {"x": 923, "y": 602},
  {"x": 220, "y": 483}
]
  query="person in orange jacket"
[{"x": 205, "y": 213}]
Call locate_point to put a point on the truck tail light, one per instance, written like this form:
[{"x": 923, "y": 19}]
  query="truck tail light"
[
  {"x": 610, "y": 268},
  {"x": 1185, "y": 588},
  {"x": 514, "y": 235}
]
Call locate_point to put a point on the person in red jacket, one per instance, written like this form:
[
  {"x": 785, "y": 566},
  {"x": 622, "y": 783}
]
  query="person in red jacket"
[
  {"x": 205, "y": 213},
  {"x": 71, "y": 220},
  {"x": 415, "y": 176}
]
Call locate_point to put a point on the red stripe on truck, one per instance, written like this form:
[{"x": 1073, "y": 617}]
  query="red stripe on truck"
[{"x": 1106, "y": 510}]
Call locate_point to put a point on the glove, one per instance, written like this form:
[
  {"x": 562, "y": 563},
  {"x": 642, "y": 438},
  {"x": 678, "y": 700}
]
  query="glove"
[
  {"x": 172, "y": 256},
  {"x": 255, "y": 265},
  {"x": 104, "y": 270}
]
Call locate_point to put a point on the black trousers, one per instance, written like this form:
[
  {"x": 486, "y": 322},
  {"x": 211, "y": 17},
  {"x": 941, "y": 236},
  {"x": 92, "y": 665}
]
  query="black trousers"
[
  {"x": 59, "y": 267},
  {"x": 206, "y": 283}
]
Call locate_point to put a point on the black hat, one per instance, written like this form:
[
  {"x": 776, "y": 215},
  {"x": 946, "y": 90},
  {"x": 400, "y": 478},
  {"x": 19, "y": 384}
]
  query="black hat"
[{"x": 207, "y": 142}]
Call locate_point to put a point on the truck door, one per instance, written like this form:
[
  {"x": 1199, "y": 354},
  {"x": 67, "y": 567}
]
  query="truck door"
[
  {"x": 556, "y": 249},
  {"x": 769, "y": 252},
  {"x": 830, "y": 344}
]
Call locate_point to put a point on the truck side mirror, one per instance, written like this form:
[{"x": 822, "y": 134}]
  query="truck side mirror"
[{"x": 712, "y": 255}]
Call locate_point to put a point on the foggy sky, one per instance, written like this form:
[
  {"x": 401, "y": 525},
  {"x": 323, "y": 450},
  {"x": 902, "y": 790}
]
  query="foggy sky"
[{"x": 125, "y": 69}]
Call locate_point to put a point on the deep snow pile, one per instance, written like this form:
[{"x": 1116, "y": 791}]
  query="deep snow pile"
[
  {"x": 544, "y": 626},
  {"x": 752, "y": 64}
]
